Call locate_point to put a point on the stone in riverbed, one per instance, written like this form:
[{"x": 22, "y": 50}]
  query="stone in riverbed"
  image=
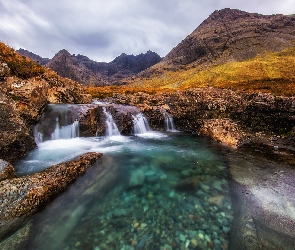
[
  {"x": 182, "y": 237},
  {"x": 137, "y": 178},
  {"x": 216, "y": 200}
]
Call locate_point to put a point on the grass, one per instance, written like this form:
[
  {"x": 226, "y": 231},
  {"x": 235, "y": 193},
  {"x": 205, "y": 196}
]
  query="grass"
[{"x": 271, "y": 72}]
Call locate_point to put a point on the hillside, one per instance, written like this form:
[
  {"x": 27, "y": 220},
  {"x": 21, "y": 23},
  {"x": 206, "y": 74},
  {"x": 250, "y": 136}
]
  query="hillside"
[
  {"x": 230, "y": 49},
  {"x": 86, "y": 71}
]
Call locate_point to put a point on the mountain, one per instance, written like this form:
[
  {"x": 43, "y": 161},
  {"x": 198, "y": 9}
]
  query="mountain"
[
  {"x": 86, "y": 71},
  {"x": 233, "y": 35},
  {"x": 32, "y": 56},
  {"x": 231, "y": 48}
]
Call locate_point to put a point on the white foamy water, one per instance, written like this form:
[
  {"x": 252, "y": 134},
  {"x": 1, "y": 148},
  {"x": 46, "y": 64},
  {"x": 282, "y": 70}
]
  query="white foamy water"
[{"x": 52, "y": 152}]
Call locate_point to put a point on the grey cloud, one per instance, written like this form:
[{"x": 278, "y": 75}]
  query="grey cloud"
[{"x": 103, "y": 29}]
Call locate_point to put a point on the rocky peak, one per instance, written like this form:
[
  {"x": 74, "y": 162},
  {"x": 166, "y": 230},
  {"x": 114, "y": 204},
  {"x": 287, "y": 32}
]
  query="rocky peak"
[{"x": 32, "y": 56}]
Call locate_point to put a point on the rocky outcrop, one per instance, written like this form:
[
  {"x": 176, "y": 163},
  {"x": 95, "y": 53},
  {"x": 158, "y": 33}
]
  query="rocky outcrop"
[
  {"x": 16, "y": 138},
  {"x": 21, "y": 197},
  {"x": 223, "y": 130},
  {"x": 230, "y": 117}
]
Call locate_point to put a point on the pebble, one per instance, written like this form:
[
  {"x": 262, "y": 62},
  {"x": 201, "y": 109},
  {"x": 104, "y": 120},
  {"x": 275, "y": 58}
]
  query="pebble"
[
  {"x": 201, "y": 236},
  {"x": 187, "y": 243},
  {"x": 194, "y": 243},
  {"x": 182, "y": 237},
  {"x": 143, "y": 225}
]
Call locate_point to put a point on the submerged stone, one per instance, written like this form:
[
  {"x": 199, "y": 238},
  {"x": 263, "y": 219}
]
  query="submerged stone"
[{"x": 137, "y": 178}]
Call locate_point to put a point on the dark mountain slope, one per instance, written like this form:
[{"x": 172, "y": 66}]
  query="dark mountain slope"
[
  {"x": 86, "y": 71},
  {"x": 34, "y": 57}
]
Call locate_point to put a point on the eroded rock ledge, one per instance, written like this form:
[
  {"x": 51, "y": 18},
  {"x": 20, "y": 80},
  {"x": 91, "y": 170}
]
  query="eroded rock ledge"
[
  {"x": 21, "y": 197},
  {"x": 230, "y": 117}
]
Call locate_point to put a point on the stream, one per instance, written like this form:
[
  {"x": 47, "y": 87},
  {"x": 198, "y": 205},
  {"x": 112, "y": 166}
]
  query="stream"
[{"x": 162, "y": 190}]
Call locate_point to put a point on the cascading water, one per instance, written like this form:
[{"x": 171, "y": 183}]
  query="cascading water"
[
  {"x": 111, "y": 129},
  {"x": 140, "y": 124},
  {"x": 58, "y": 122},
  {"x": 65, "y": 132},
  {"x": 169, "y": 123}
]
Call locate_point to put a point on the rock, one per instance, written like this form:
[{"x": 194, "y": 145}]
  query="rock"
[
  {"x": 16, "y": 138},
  {"x": 194, "y": 243},
  {"x": 223, "y": 130},
  {"x": 182, "y": 237},
  {"x": 30, "y": 96},
  {"x": 151, "y": 176},
  {"x": 189, "y": 183},
  {"x": 136, "y": 178},
  {"x": 23, "y": 196},
  {"x": 6, "y": 171},
  {"x": 216, "y": 200}
]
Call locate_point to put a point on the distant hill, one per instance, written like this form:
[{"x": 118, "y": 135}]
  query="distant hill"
[{"x": 86, "y": 71}]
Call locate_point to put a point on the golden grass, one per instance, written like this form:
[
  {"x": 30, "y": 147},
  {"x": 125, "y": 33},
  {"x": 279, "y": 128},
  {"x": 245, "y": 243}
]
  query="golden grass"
[{"x": 270, "y": 72}]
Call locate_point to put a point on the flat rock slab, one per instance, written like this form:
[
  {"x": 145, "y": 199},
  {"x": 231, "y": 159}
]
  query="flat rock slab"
[{"x": 21, "y": 197}]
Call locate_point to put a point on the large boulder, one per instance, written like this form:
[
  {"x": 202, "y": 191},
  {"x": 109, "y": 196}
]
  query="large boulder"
[
  {"x": 16, "y": 139},
  {"x": 263, "y": 202},
  {"x": 30, "y": 97},
  {"x": 21, "y": 197}
]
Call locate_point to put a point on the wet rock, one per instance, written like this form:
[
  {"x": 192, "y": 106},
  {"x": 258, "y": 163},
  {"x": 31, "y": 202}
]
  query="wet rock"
[
  {"x": 262, "y": 194},
  {"x": 182, "y": 237},
  {"x": 217, "y": 200},
  {"x": 6, "y": 171},
  {"x": 137, "y": 178},
  {"x": 190, "y": 183},
  {"x": 21, "y": 197}
]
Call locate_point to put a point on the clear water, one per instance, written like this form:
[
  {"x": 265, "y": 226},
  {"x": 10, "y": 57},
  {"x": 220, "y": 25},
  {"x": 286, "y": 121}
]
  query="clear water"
[{"x": 160, "y": 191}]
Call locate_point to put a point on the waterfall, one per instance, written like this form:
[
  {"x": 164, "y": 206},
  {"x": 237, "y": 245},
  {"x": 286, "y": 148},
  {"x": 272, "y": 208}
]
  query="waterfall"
[
  {"x": 111, "y": 128},
  {"x": 140, "y": 124},
  {"x": 65, "y": 132},
  {"x": 169, "y": 123}
]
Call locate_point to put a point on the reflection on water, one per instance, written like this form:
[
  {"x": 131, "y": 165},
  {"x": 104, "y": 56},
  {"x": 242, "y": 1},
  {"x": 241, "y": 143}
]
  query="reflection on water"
[{"x": 168, "y": 191}]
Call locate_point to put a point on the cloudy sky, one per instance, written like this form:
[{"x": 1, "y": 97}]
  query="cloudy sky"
[{"x": 103, "y": 29}]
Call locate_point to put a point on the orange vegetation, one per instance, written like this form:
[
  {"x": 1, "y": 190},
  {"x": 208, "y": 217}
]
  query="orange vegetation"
[
  {"x": 19, "y": 66},
  {"x": 271, "y": 72}
]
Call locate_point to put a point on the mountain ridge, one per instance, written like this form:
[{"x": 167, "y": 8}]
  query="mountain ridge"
[{"x": 88, "y": 72}]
